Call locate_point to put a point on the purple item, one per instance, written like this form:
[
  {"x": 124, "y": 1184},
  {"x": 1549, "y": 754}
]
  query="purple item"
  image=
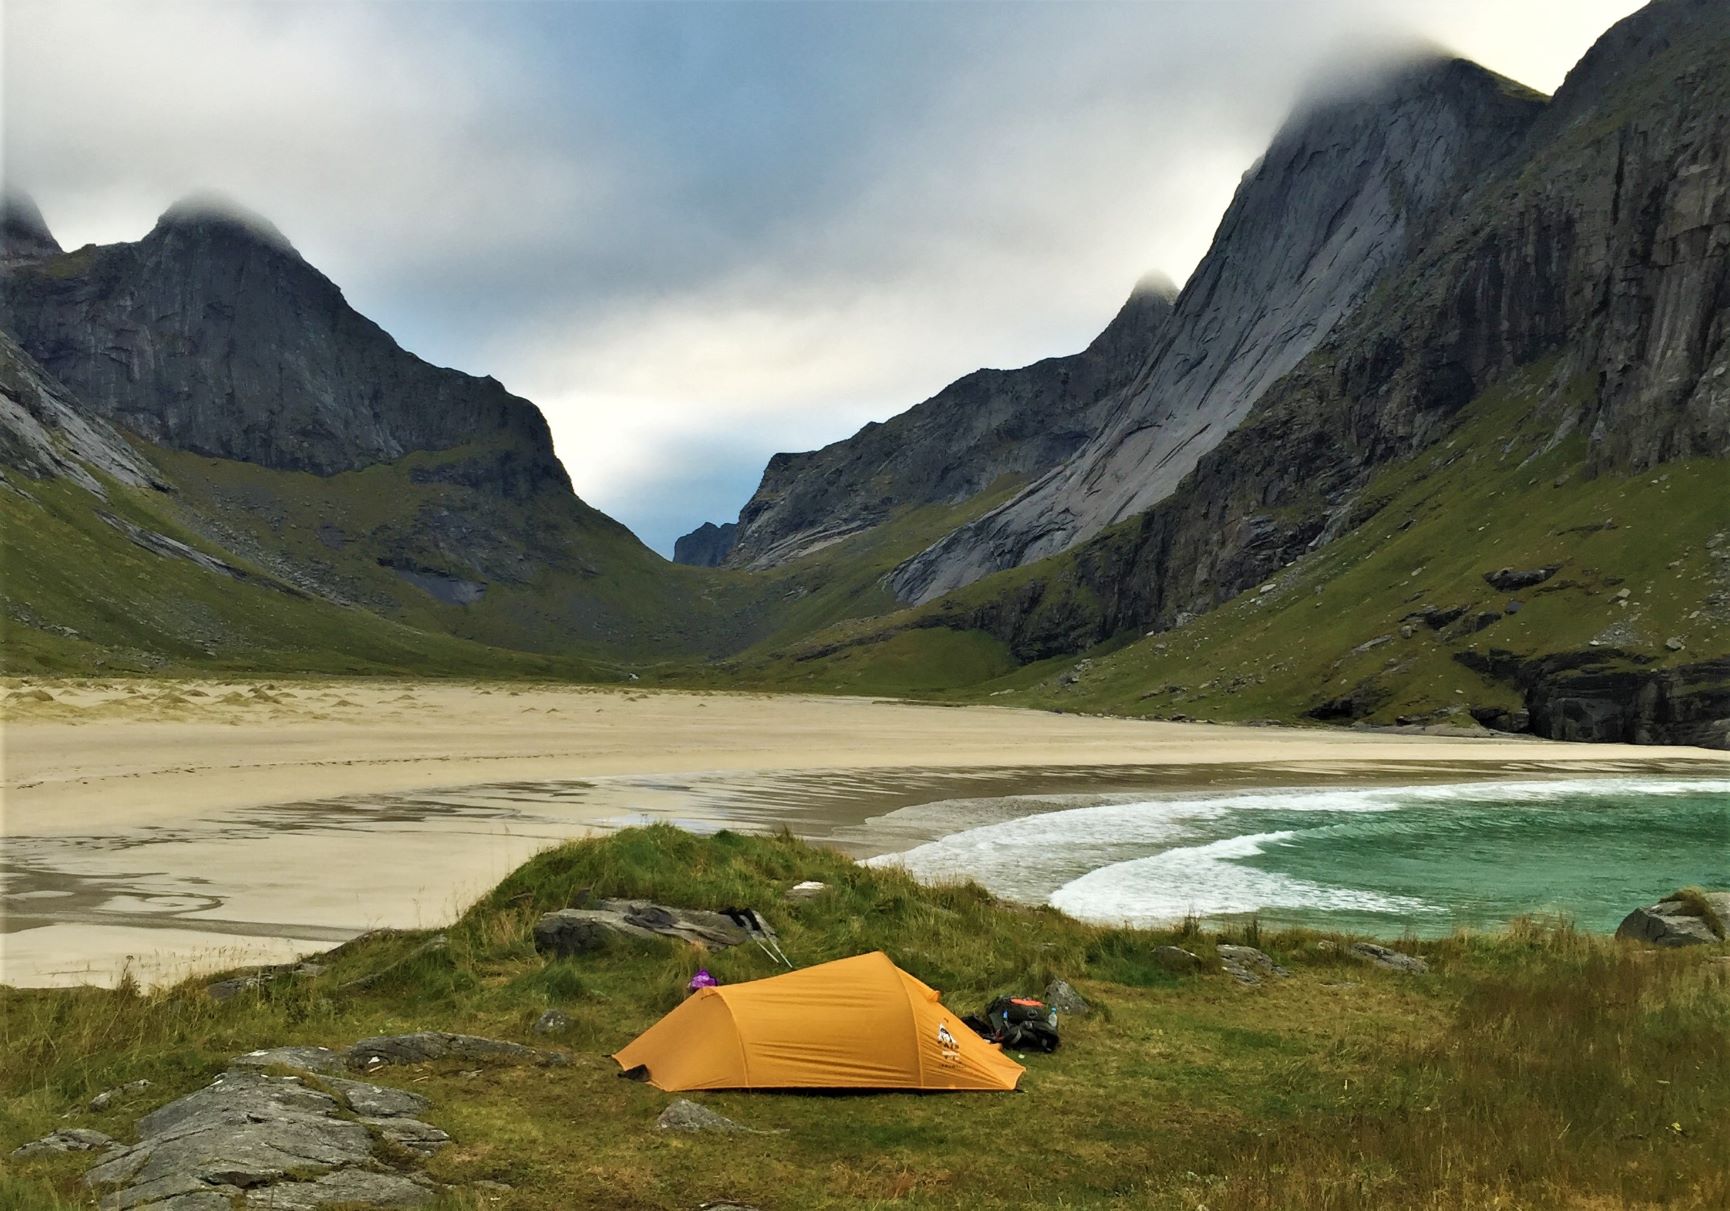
[{"x": 702, "y": 980}]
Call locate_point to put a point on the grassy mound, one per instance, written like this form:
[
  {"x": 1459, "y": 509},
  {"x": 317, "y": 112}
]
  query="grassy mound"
[{"x": 1534, "y": 1068}]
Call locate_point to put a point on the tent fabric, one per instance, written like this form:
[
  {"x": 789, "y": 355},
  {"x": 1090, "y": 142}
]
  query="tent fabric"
[{"x": 858, "y": 1023}]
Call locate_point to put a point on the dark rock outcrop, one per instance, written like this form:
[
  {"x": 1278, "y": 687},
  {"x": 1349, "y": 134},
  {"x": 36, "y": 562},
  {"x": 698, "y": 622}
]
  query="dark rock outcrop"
[
  {"x": 707, "y": 546},
  {"x": 579, "y": 931},
  {"x": 211, "y": 334},
  {"x": 1607, "y": 695},
  {"x": 1510, "y": 579},
  {"x": 978, "y": 430}
]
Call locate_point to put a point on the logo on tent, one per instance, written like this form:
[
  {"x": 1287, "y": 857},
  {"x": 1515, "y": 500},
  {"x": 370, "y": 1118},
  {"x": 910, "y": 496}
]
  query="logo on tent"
[{"x": 947, "y": 1041}]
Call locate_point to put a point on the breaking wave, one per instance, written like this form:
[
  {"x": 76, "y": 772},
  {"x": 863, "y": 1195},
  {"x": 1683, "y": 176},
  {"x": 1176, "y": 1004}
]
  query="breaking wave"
[{"x": 1379, "y": 859}]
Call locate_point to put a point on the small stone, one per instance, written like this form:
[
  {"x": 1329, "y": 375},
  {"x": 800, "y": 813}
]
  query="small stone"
[
  {"x": 108, "y": 1097},
  {"x": 553, "y": 1021},
  {"x": 1674, "y": 644},
  {"x": 1064, "y": 999},
  {"x": 1391, "y": 960},
  {"x": 801, "y": 893},
  {"x": 686, "y": 1115},
  {"x": 410, "y": 1133}
]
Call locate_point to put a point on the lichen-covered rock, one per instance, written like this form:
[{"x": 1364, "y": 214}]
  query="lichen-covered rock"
[
  {"x": 580, "y": 931},
  {"x": 245, "y": 1129},
  {"x": 1674, "y": 922},
  {"x": 275, "y": 1140},
  {"x": 1247, "y": 965}
]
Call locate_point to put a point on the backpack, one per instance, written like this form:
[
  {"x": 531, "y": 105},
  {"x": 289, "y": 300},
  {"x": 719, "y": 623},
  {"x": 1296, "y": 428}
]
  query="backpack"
[{"x": 1017, "y": 1023}]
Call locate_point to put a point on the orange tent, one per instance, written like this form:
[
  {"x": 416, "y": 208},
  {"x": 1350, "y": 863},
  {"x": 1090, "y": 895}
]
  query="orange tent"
[{"x": 859, "y": 1023}]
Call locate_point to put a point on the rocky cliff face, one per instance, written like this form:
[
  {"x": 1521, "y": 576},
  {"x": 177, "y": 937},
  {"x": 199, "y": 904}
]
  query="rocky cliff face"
[
  {"x": 1346, "y": 195},
  {"x": 1596, "y": 257},
  {"x": 707, "y": 546},
  {"x": 212, "y": 335},
  {"x": 977, "y": 430},
  {"x": 44, "y": 433}
]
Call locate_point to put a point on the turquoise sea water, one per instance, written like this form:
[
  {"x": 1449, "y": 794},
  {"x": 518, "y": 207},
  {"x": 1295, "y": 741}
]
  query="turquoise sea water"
[{"x": 1385, "y": 861}]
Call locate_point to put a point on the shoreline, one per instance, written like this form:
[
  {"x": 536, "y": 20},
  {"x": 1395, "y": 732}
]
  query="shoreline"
[{"x": 209, "y": 832}]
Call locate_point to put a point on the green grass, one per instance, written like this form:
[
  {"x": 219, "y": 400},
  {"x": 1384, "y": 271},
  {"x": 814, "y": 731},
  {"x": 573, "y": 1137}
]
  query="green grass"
[
  {"x": 1533, "y": 1068},
  {"x": 80, "y": 596}
]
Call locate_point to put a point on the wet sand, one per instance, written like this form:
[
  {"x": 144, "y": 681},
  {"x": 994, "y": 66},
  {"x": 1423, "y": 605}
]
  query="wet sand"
[{"x": 172, "y": 825}]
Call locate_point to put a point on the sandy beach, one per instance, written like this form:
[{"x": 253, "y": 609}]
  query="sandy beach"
[{"x": 163, "y": 825}]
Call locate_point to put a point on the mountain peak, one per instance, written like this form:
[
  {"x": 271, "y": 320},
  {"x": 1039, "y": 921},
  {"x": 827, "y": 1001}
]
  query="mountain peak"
[
  {"x": 1421, "y": 76},
  {"x": 23, "y": 233},
  {"x": 1154, "y": 284},
  {"x": 217, "y": 213}
]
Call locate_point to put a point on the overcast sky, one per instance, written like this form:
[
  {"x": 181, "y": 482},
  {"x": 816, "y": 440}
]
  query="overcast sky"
[{"x": 699, "y": 234}]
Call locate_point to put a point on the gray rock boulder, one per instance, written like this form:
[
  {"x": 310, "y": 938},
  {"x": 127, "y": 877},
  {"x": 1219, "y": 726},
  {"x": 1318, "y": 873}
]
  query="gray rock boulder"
[
  {"x": 1247, "y": 965},
  {"x": 1064, "y": 999},
  {"x": 1675, "y": 922},
  {"x": 275, "y": 1141},
  {"x": 1389, "y": 960},
  {"x": 579, "y": 931},
  {"x": 244, "y": 1130}
]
